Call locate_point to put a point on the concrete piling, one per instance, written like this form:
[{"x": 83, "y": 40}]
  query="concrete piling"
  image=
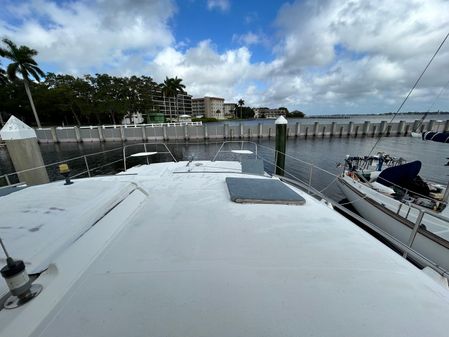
[
  {"x": 77, "y": 134},
  {"x": 225, "y": 131},
  {"x": 280, "y": 144},
  {"x": 431, "y": 125},
  {"x": 401, "y": 127},
  {"x": 366, "y": 126},
  {"x": 24, "y": 150},
  {"x": 315, "y": 129},
  {"x": 100, "y": 134},
  {"x": 332, "y": 134},
  {"x": 54, "y": 135},
  {"x": 446, "y": 126},
  {"x": 350, "y": 129}
]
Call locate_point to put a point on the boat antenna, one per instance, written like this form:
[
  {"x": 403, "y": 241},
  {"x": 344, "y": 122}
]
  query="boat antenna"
[{"x": 411, "y": 90}]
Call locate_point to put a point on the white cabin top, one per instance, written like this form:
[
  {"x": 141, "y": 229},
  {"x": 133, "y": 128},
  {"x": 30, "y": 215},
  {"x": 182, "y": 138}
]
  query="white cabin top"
[{"x": 161, "y": 250}]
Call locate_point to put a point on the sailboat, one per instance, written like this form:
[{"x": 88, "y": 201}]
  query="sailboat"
[{"x": 390, "y": 193}]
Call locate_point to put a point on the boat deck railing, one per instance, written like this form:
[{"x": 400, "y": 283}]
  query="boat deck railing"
[{"x": 115, "y": 160}]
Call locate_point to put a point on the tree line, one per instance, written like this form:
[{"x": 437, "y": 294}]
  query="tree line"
[{"x": 89, "y": 99}]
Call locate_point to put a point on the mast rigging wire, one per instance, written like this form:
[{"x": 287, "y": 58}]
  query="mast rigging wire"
[{"x": 411, "y": 90}]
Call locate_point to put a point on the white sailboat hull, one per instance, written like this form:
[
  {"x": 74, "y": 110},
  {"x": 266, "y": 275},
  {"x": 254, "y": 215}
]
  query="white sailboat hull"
[
  {"x": 377, "y": 209},
  {"x": 416, "y": 134}
]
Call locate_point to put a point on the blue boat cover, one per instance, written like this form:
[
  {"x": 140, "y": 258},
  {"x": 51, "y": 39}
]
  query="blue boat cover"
[
  {"x": 441, "y": 137},
  {"x": 400, "y": 175}
]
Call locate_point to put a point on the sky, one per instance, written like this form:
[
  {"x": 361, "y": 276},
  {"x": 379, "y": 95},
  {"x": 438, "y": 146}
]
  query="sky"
[{"x": 320, "y": 57}]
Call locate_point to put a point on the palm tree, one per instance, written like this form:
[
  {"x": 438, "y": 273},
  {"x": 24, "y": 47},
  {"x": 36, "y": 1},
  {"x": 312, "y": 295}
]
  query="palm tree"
[
  {"x": 3, "y": 78},
  {"x": 171, "y": 88},
  {"x": 241, "y": 103},
  {"x": 22, "y": 62},
  {"x": 178, "y": 87}
]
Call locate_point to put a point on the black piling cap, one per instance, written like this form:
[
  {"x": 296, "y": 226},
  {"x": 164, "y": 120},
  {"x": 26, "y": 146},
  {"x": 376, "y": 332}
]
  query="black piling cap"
[{"x": 13, "y": 267}]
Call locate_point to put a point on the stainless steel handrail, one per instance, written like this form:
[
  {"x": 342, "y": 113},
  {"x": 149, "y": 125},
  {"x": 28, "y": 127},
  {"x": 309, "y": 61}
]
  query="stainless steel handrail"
[
  {"x": 235, "y": 142},
  {"x": 145, "y": 149}
]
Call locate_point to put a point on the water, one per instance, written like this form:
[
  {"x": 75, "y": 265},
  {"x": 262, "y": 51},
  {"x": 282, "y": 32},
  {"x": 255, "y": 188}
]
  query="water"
[{"x": 324, "y": 153}]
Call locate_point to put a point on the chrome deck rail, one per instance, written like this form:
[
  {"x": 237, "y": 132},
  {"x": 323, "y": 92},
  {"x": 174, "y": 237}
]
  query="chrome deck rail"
[
  {"x": 145, "y": 146},
  {"x": 241, "y": 142}
]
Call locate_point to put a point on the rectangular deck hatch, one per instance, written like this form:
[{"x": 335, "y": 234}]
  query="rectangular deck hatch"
[{"x": 262, "y": 191}]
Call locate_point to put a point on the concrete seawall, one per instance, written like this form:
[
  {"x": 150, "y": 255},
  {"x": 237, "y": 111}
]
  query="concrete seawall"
[{"x": 120, "y": 133}]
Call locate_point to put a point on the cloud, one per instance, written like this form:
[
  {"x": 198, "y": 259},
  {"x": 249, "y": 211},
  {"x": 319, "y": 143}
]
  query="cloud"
[
  {"x": 222, "y": 5},
  {"x": 88, "y": 36},
  {"x": 251, "y": 38},
  {"x": 208, "y": 72},
  {"x": 328, "y": 56}
]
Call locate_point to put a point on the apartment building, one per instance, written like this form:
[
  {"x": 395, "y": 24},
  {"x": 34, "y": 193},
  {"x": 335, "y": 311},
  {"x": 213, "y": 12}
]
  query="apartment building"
[
  {"x": 229, "y": 109},
  {"x": 172, "y": 107},
  {"x": 210, "y": 107}
]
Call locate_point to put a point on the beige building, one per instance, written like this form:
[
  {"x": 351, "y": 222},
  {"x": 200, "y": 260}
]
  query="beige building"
[
  {"x": 229, "y": 109},
  {"x": 210, "y": 107}
]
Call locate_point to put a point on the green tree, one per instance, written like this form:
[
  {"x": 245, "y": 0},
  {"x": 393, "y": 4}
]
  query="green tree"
[
  {"x": 241, "y": 103},
  {"x": 22, "y": 62},
  {"x": 171, "y": 88}
]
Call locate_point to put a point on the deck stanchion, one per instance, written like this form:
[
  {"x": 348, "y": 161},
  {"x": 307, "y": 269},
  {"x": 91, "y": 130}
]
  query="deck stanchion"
[
  {"x": 260, "y": 130},
  {"x": 25, "y": 153},
  {"x": 281, "y": 144},
  {"x": 241, "y": 131},
  {"x": 206, "y": 136}
]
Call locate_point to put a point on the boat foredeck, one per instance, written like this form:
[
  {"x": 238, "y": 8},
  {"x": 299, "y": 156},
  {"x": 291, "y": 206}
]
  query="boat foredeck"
[{"x": 190, "y": 262}]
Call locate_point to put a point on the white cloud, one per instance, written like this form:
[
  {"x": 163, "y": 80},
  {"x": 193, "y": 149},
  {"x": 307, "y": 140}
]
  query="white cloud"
[
  {"x": 89, "y": 36},
  {"x": 330, "y": 56},
  {"x": 222, "y": 5},
  {"x": 250, "y": 38}
]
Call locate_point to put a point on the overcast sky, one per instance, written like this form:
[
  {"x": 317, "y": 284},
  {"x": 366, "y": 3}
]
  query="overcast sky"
[{"x": 321, "y": 57}]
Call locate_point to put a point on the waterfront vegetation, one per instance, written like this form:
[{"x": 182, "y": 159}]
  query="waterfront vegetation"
[{"x": 57, "y": 99}]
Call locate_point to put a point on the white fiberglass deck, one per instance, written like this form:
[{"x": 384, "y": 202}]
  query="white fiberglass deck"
[{"x": 189, "y": 262}]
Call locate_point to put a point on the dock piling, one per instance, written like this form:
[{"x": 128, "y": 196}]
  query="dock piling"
[
  {"x": 24, "y": 150},
  {"x": 281, "y": 144}
]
